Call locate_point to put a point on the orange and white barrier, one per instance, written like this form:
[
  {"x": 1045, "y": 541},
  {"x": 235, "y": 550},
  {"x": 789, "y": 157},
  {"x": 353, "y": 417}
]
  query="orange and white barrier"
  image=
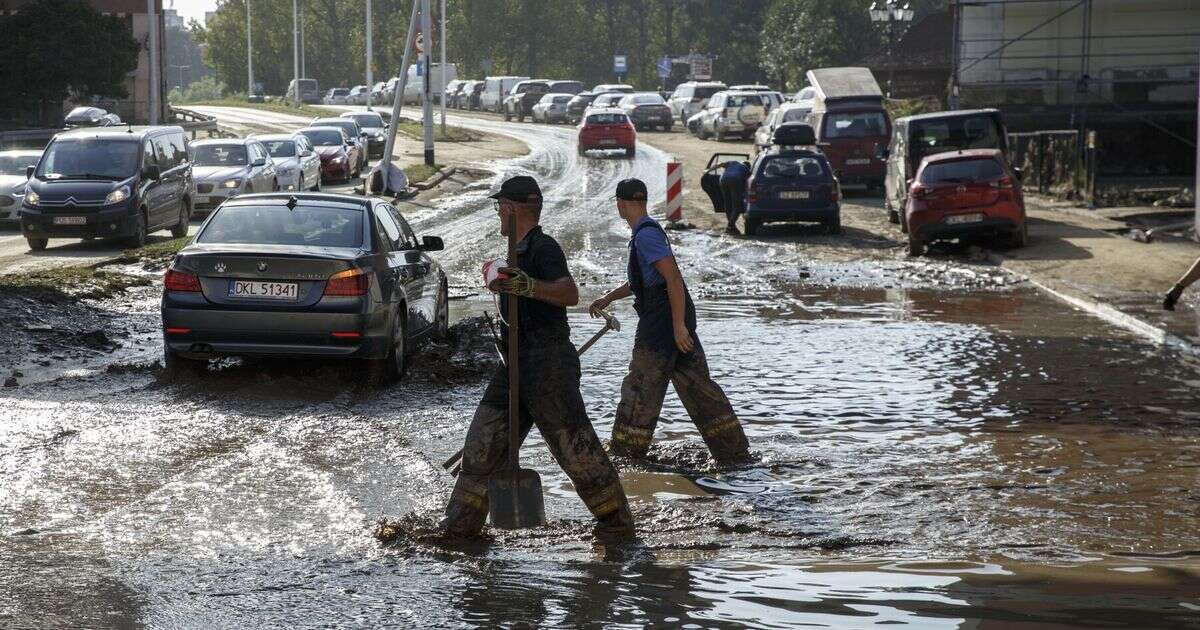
[{"x": 674, "y": 207}]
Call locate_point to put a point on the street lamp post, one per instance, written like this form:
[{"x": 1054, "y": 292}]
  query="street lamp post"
[
  {"x": 890, "y": 13},
  {"x": 249, "y": 58},
  {"x": 295, "y": 54},
  {"x": 370, "y": 77}
]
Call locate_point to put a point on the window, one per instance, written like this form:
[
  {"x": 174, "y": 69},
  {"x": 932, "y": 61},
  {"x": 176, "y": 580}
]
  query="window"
[
  {"x": 179, "y": 145},
  {"x": 390, "y": 229},
  {"x": 281, "y": 148},
  {"x": 149, "y": 157},
  {"x": 705, "y": 91},
  {"x": 94, "y": 157},
  {"x": 741, "y": 100},
  {"x": 277, "y": 225},
  {"x": 607, "y": 119},
  {"x": 961, "y": 132},
  {"x": 792, "y": 167},
  {"x": 165, "y": 153},
  {"x": 220, "y": 155},
  {"x": 962, "y": 171},
  {"x": 683, "y": 91},
  {"x": 855, "y": 125},
  {"x": 410, "y": 239},
  {"x": 795, "y": 114}
]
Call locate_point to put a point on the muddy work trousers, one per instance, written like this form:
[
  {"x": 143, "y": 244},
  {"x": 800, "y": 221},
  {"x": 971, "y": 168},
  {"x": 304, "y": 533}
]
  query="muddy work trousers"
[
  {"x": 733, "y": 195},
  {"x": 642, "y": 396},
  {"x": 551, "y": 400}
]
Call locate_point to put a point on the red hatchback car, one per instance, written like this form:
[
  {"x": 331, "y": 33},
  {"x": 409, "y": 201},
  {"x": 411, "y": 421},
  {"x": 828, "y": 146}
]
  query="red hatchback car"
[
  {"x": 339, "y": 156},
  {"x": 969, "y": 193},
  {"x": 607, "y": 129}
]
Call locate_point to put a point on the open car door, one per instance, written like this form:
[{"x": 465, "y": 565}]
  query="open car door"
[{"x": 711, "y": 180}]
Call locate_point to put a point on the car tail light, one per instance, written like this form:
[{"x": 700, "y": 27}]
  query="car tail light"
[
  {"x": 1003, "y": 183},
  {"x": 177, "y": 280},
  {"x": 171, "y": 330},
  {"x": 351, "y": 282},
  {"x": 751, "y": 191},
  {"x": 918, "y": 191},
  {"x": 834, "y": 193}
]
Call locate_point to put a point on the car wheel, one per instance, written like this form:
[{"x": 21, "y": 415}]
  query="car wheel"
[
  {"x": 752, "y": 226},
  {"x": 180, "y": 229},
  {"x": 1019, "y": 236},
  {"x": 275, "y": 185},
  {"x": 720, "y": 135},
  {"x": 37, "y": 244},
  {"x": 915, "y": 246},
  {"x": 390, "y": 368},
  {"x": 630, "y": 152},
  {"x": 441, "y": 326},
  {"x": 138, "y": 238},
  {"x": 834, "y": 226},
  {"x": 507, "y": 116},
  {"x": 317, "y": 186},
  {"x": 175, "y": 366}
]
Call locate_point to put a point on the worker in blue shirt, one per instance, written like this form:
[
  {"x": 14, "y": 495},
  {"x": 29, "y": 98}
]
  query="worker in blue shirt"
[
  {"x": 666, "y": 347},
  {"x": 733, "y": 192}
]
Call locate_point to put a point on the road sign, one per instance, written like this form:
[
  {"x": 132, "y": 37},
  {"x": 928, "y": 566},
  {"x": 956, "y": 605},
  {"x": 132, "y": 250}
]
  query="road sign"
[
  {"x": 420, "y": 68},
  {"x": 619, "y": 66},
  {"x": 664, "y": 67},
  {"x": 701, "y": 68}
]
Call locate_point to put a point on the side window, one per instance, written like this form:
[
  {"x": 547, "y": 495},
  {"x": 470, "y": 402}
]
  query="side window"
[
  {"x": 390, "y": 229},
  {"x": 148, "y": 157},
  {"x": 179, "y": 145},
  {"x": 410, "y": 239},
  {"x": 166, "y": 154}
]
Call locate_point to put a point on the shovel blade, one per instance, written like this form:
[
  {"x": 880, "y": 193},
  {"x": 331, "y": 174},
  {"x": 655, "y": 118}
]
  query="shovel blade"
[{"x": 519, "y": 505}]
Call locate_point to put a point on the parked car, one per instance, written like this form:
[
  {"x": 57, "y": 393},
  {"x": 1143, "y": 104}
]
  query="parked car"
[
  {"x": 552, "y": 108},
  {"x": 90, "y": 117},
  {"x": 109, "y": 183},
  {"x": 647, "y": 110},
  {"x": 566, "y": 87},
  {"x": 729, "y": 113},
  {"x": 607, "y": 129},
  {"x": 359, "y": 95},
  {"x": 297, "y": 165},
  {"x": 373, "y": 129},
  {"x": 788, "y": 112},
  {"x": 451, "y": 89},
  {"x": 792, "y": 183},
  {"x": 469, "y": 97},
  {"x": 579, "y": 104},
  {"x": 14, "y": 174},
  {"x": 339, "y": 155},
  {"x": 257, "y": 94},
  {"x": 523, "y": 96},
  {"x": 353, "y": 131},
  {"x": 852, "y": 124},
  {"x": 689, "y": 98},
  {"x": 227, "y": 168},
  {"x": 304, "y": 274},
  {"x": 494, "y": 91},
  {"x": 336, "y": 96},
  {"x": 965, "y": 194},
  {"x": 308, "y": 91},
  {"x": 914, "y": 137},
  {"x": 414, "y": 86},
  {"x": 455, "y": 95},
  {"x": 607, "y": 100},
  {"x": 613, "y": 87}
]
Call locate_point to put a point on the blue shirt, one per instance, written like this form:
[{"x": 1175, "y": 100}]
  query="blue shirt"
[
  {"x": 652, "y": 246},
  {"x": 735, "y": 170}
]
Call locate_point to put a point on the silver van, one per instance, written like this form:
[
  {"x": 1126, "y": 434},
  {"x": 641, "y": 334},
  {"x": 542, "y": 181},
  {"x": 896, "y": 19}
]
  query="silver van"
[{"x": 494, "y": 91}]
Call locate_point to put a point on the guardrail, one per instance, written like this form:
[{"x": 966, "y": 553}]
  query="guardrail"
[
  {"x": 194, "y": 122},
  {"x": 26, "y": 138}
]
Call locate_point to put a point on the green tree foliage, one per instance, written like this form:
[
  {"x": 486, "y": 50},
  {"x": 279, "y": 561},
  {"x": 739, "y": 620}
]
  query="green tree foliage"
[
  {"x": 59, "y": 49},
  {"x": 183, "y": 63}
]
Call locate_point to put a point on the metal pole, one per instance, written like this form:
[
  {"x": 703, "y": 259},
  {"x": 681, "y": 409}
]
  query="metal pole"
[
  {"x": 249, "y": 58},
  {"x": 427, "y": 104},
  {"x": 398, "y": 98},
  {"x": 370, "y": 79},
  {"x": 152, "y": 24},
  {"x": 1196, "y": 167},
  {"x": 442, "y": 84},
  {"x": 295, "y": 53},
  {"x": 303, "y": 69}
]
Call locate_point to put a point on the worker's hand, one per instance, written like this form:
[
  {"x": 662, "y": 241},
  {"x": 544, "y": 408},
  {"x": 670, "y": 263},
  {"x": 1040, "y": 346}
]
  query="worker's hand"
[
  {"x": 1172, "y": 297},
  {"x": 683, "y": 339},
  {"x": 518, "y": 283},
  {"x": 597, "y": 306}
]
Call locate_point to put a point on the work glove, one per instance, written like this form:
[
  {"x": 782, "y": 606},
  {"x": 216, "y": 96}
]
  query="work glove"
[
  {"x": 518, "y": 282},
  {"x": 1172, "y": 297}
]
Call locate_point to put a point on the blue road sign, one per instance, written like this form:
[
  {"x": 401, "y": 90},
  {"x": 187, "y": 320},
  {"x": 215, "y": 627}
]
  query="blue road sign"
[
  {"x": 619, "y": 66},
  {"x": 664, "y": 67}
]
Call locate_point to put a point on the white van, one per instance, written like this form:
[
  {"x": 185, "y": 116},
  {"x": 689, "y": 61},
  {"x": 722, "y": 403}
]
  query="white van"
[
  {"x": 416, "y": 85},
  {"x": 494, "y": 91}
]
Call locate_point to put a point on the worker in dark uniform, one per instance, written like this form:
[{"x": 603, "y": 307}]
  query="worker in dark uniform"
[
  {"x": 549, "y": 383},
  {"x": 666, "y": 347},
  {"x": 733, "y": 192}
]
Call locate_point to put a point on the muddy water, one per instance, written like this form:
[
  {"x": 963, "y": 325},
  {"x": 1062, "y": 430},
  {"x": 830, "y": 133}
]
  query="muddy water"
[{"x": 936, "y": 448}]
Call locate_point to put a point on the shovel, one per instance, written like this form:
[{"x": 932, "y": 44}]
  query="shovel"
[{"x": 515, "y": 495}]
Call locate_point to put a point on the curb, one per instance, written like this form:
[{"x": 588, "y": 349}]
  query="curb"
[{"x": 436, "y": 179}]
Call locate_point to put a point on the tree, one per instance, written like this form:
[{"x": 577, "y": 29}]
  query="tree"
[
  {"x": 799, "y": 35},
  {"x": 59, "y": 49}
]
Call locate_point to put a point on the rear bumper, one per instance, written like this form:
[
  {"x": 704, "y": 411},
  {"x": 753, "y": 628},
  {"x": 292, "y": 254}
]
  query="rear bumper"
[
  {"x": 938, "y": 230},
  {"x": 217, "y": 332},
  {"x": 664, "y": 118},
  {"x": 775, "y": 215},
  {"x": 111, "y": 222}
]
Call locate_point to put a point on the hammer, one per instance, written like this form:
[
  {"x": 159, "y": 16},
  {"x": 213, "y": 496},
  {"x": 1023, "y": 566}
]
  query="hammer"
[{"x": 610, "y": 323}]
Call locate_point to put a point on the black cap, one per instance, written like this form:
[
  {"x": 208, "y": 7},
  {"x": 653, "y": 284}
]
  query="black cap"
[
  {"x": 632, "y": 189},
  {"x": 521, "y": 189}
]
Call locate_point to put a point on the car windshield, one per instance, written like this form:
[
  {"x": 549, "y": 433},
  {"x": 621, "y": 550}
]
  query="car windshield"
[
  {"x": 323, "y": 137},
  {"x": 741, "y": 100},
  {"x": 962, "y": 171},
  {"x": 646, "y": 99},
  {"x": 855, "y": 125},
  {"x": 573, "y": 87},
  {"x": 90, "y": 157},
  {"x": 966, "y": 132},
  {"x": 606, "y": 119},
  {"x": 792, "y": 167},
  {"x": 277, "y": 225},
  {"x": 307, "y": 84},
  {"x": 281, "y": 148},
  {"x": 16, "y": 164},
  {"x": 219, "y": 155},
  {"x": 606, "y": 100},
  {"x": 368, "y": 120}
]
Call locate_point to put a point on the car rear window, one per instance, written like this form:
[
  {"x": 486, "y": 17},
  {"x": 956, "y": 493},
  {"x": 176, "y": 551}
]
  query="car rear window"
[
  {"x": 740, "y": 100},
  {"x": 794, "y": 114},
  {"x": 792, "y": 167},
  {"x": 280, "y": 148},
  {"x": 317, "y": 226},
  {"x": 706, "y": 91},
  {"x": 646, "y": 99},
  {"x": 16, "y": 164},
  {"x": 962, "y": 171},
  {"x": 855, "y": 125},
  {"x": 368, "y": 120},
  {"x": 960, "y": 132},
  {"x": 606, "y": 119}
]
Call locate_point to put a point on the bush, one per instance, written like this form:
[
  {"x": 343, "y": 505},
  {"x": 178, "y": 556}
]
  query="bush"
[{"x": 206, "y": 89}]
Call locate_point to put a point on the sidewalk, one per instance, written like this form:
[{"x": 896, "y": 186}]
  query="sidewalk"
[{"x": 1071, "y": 254}]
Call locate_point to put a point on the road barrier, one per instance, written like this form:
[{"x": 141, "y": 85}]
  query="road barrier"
[
  {"x": 193, "y": 122},
  {"x": 674, "y": 207}
]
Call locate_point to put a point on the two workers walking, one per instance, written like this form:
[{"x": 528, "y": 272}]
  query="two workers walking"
[{"x": 666, "y": 349}]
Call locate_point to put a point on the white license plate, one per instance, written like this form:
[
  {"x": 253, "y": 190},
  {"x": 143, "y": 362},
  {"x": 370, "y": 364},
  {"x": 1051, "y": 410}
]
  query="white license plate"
[
  {"x": 608, "y": 142},
  {"x": 858, "y": 161},
  {"x": 964, "y": 218},
  {"x": 794, "y": 194},
  {"x": 70, "y": 220},
  {"x": 258, "y": 290}
]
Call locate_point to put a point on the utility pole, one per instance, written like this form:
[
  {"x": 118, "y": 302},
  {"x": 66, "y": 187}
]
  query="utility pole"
[
  {"x": 152, "y": 23},
  {"x": 370, "y": 80},
  {"x": 385, "y": 164},
  {"x": 442, "y": 80},
  {"x": 427, "y": 104},
  {"x": 303, "y": 69},
  {"x": 249, "y": 56},
  {"x": 295, "y": 53}
]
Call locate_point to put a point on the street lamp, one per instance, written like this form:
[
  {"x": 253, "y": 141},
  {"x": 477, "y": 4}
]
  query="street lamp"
[{"x": 890, "y": 13}]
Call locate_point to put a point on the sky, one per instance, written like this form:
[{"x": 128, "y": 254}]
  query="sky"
[{"x": 192, "y": 9}]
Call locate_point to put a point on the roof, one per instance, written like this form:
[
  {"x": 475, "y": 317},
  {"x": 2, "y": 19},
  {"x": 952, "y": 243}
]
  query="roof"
[
  {"x": 607, "y": 110},
  {"x": 118, "y": 131},
  {"x": 268, "y": 137},
  {"x": 208, "y": 141},
  {"x": 848, "y": 82},
  {"x": 963, "y": 154},
  {"x": 954, "y": 113},
  {"x": 355, "y": 200}
]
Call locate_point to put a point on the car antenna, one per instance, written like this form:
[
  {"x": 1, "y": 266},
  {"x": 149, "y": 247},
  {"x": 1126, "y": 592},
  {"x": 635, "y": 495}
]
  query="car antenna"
[{"x": 291, "y": 202}]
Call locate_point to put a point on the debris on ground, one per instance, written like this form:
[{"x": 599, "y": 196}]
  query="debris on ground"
[{"x": 468, "y": 352}]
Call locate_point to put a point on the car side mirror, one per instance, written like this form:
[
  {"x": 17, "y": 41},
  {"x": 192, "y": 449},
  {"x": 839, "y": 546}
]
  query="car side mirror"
[
  {"x": 1019, "y": 173},
  {"x": 151, "y": 172},
  {"x": 29, "y": 171},
  {"x": 259, "y": 162},
  {"x": 432, "y": 244}
]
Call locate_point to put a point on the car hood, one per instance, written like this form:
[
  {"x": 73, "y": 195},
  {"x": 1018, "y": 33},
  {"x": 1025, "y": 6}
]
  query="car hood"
[
  {"x": 81, "y": 190},
  {"x": 287, "y": 162},
  {"x": 11, "y": 183},
  {"x": 203, "y": 173},
  {"x": 329, "y": 152}
]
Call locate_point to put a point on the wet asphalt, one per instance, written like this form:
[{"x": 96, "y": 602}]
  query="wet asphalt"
[{"x": 938, "y": 445}]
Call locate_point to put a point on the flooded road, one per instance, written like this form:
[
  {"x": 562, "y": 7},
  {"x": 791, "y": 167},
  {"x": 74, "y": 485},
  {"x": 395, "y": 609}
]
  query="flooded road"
[{"x": 937, "y": 446}]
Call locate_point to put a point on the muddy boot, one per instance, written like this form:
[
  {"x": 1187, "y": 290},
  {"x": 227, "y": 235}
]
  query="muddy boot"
[
  {"x": 733, "y": 230},
  {"x": 616, "y": 524}
]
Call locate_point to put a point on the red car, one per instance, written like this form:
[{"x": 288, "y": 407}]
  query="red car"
[
  {"x": 607, "y": 129},
  {"x": 339, "y": 156},
  {"x": 968, "y": 193}
]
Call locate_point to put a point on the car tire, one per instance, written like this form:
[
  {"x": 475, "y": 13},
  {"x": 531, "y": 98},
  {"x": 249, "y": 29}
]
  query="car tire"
[
  {"x": 441, "y": 324},
  {"x": 176, "y": 366},
  {"x": 180, "y": 229},
  {"x": 630, "y": 152},
  {"x": 720, "y": 135},
  {"x": 1019, "y": 237},
  {"x": 834, "y": 226},
  {"x": 275, "y": 185},
  {"x": 138, "y": 238},
  {"x": 392, "y": 367},
  {"x": 37, "y": 244},
  {"x": 507, "y": 117},
  {"x": 915, "y": 246},
  {"x": 752, "y": 226}
]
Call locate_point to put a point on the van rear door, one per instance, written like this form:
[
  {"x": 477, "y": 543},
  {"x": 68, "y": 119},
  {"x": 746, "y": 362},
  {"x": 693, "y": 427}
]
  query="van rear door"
[{"x": 851, "y": 140}]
